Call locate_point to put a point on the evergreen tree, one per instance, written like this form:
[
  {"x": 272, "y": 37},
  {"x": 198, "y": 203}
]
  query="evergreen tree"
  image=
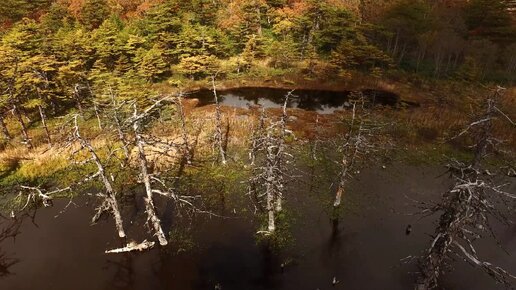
[
  {"x": 94, "y": 12},
  {"x": 490, "y": 19},
  {"x": 55, "y": 18},
  {"x": 151, "y": 65}
]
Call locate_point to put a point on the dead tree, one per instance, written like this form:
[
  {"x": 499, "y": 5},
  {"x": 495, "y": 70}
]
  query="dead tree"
[
  {"x": 187, "y": 149},
  {"x": 314, "y": 142},
  {"x": 116, "y": 107},
  {"x": 268, "y": 179},
  {"x": 150, "y": 208},
  {"x": 78, "y": 98},
  {"x": 468, "y": 207},
  {"x": 281, "y": 151},
  {"x": 219, "y": 136},
  {"x": 151, "y": 180},
  {"x": 97, "y": 114},
  {"x": 359, "y": 141},
  {"x": 109, "y": 203},
  {"x": 44, "y": 123},
  {"x": 26, "y": 138}
]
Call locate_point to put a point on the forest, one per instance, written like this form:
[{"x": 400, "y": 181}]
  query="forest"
[{"x": 257, "y": 144}]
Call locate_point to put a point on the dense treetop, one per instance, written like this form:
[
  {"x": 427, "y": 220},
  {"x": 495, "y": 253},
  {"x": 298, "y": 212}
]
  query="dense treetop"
[{"x": 74, "y": 50}]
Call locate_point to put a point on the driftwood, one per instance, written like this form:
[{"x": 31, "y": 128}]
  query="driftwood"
[
  {"x": 38, "y": 195},
  {"x": 132, "y": 247}
]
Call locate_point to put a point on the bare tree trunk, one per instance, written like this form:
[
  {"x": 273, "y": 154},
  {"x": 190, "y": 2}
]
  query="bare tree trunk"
[
  {"x": 77, "y": 97},
  {"x": 5, "y": 131},
  {"x": 468, "y": 207},
  {"x": 187, "y": 151},
  {"x": 97, "y": 115},
  {"x": 270, "y": 141},
  {"x": 44, "y": 123},
  {"x": 118, "y": 125},
  {"x": 19, "y": 117},
  {"x": 350, "y": 150},
  {"x": 270, "y": 191},
  {"x": 280, "y": 152},
  {"x": 110, "y": 203},
  {"x": 219, "y": 142},
  {"x": 342, "y": 183},
  {"x": 149, "y": 203}
]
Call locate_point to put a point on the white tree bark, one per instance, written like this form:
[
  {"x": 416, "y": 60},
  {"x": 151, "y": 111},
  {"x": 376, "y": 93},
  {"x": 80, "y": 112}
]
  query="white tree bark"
[
  {"x": 132, "y": 247},
  {"x": 44, "y": 123},
  {"x": 110, "y": 195},
  {"x": 149, "y": 203},
  {"x": 219, "y": 137}
]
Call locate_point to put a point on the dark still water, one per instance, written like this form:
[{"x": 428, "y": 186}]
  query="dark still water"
[
  {"x": 362, "y": 251},
  {"x": 321, "y": 101}
]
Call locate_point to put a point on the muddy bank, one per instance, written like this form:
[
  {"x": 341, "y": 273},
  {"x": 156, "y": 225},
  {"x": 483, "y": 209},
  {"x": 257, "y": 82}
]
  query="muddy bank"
[{"x": 362, "y": 251}]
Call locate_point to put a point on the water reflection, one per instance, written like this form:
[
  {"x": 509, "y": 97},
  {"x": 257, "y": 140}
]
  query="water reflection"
[
  {"x": 123, "y": 277},
  {"x": 9, "y": 229},
  {"x": 321, "y": 101},
  {"x": 362, "y": 249}
]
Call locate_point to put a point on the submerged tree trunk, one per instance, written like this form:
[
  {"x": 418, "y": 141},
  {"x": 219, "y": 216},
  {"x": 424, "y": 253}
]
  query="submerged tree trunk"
[
  {"x": 353, "y": 145},
  {"x": 279, "y": 158},
  {"x": 149, "y": 203},
  {"x": 342, "y": 183},
  {"x": 270, "y": 190}
]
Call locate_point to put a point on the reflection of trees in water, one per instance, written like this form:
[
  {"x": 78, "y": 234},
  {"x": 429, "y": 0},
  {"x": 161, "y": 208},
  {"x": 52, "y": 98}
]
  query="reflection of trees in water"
[
  {"x": 9, "y": 228},
  {"x": 310, "y": 100},
  {"x": 124, "y": 272}
]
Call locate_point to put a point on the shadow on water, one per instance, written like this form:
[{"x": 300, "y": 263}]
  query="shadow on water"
[
  {"x": 9, "y": 229},
  {"x": 321, "y": 101},
  {"x": 362, "y": 249}
]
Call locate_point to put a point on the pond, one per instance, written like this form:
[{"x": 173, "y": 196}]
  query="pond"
[
  {"x": 321, "y": 101},
  {"x": 62, "y": 251}
]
